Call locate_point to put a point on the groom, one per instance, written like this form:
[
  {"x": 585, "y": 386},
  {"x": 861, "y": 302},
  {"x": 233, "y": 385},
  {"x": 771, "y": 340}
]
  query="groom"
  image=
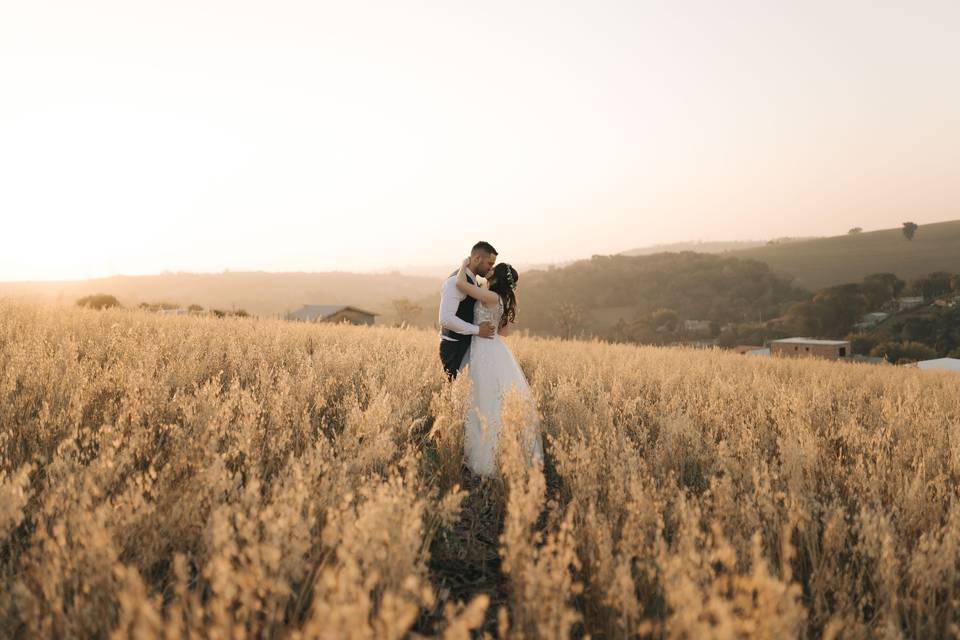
[{"x": 456, "y": 311}]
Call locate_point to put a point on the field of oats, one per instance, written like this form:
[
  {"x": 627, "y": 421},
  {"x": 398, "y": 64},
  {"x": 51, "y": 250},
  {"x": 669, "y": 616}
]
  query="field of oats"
[{"x": 192, "y": 477}]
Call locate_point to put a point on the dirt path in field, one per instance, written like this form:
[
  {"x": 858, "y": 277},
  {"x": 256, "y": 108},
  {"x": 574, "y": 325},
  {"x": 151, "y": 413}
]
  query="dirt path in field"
[{"x": 465, "y": 562}]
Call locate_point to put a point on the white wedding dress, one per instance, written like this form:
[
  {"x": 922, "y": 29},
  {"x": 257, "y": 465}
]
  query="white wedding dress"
[{"x": 493, "y": 372}]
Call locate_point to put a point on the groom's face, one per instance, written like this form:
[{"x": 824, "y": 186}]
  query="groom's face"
[{"x": 485, "y": 262}]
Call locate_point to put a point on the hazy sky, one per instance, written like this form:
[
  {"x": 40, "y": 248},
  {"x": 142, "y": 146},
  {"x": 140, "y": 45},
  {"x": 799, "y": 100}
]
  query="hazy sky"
[{"x": 142, "y": 136}]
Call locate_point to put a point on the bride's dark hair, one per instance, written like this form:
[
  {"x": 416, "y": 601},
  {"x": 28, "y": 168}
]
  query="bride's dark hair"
[{"x": 505, "y": 279}]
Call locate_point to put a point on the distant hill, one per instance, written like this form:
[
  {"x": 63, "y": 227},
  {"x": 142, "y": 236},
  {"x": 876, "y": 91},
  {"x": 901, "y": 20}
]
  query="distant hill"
[
  {"x": 258, "y": 292},
  {"x": 824, "y": 262},
  {"x": 599, "y": 292},
  {"x": 699, "y": 247}
]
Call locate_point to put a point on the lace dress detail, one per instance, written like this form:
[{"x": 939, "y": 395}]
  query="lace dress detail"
[
  {"x": 493, "y": 373},
  {"x": 483, "y": 313}
]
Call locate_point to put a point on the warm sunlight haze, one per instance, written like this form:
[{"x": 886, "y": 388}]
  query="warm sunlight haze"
[{"x": 200, "y": 136}]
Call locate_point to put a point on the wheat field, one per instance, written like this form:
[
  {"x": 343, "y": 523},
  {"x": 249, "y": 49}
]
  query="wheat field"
[{"x": 189, "y": 477}]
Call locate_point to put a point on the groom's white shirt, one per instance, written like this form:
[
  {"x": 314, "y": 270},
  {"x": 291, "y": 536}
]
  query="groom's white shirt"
[{"x": 450, "y": 299}]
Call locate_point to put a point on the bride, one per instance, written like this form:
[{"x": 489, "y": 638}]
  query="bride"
[{"x": 493, "y": 369}]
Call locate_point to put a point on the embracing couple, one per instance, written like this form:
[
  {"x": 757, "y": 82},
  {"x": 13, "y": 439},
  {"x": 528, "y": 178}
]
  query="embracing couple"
[{"x": 473, "y": 317}]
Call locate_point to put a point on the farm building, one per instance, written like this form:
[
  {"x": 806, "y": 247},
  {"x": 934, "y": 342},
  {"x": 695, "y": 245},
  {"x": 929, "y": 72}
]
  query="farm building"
[
  {"x": 746, "y": 348},
  {"x": 332, "y": 313},
  {"x": 810, "y": 347},
  {"x": 909, "y": 302},
  {"x": 948, "y": 301},
  {"x": 180, "y": 311},
  {"x": 697, "y": 326}
]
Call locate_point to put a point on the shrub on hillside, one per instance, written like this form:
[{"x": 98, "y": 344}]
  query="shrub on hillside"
[
  {"x": 902, "y": 352},
  {"x": 98, "y": 301},
  {"x": 862, "y": 343}
]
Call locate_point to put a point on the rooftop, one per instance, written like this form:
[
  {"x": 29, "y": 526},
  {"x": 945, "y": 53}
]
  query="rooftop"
[
  {"x": 838, "y": 343},
  {"x": 314, "y": 311},
  {"x": 950, "y": 364}
]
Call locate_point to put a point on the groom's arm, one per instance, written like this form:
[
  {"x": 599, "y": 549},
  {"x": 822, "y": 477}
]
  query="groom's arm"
[{"x": 450, "y": 299}]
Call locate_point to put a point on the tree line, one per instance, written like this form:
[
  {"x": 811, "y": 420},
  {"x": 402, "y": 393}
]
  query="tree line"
[{"x": 101, "y": 301}]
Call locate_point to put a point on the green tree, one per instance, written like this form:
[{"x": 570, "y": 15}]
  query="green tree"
[
  {"x": 569, "y": 319},
  {"x": 861, "y": 343},
  {"x": 855, "y": 230},
  {"x": 831, "y": 312},
  {"x": 909, "y": 230},
  {"x": 879, "y": 288},
  {"x": 665, "y": 321},
  {"x": 933, "y": 285},
  {"x": 803, "y": 318}
]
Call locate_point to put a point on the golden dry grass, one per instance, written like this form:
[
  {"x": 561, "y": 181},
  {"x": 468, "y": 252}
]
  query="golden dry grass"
[{"x": 183, "y": 477}]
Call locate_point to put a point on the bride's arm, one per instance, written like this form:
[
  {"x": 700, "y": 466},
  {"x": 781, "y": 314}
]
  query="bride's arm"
[{"x": 477, "y": 293}]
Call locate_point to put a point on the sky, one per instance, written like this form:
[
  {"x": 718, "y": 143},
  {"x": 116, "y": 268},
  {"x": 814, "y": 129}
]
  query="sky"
[{"x": 138, "y": 137}]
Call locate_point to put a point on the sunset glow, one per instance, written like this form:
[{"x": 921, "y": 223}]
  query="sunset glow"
[{"x": 310, "y": 136}]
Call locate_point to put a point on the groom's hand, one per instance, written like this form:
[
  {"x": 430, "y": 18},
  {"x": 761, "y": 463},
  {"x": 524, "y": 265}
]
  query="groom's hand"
[{"x": 486, "y": 330}]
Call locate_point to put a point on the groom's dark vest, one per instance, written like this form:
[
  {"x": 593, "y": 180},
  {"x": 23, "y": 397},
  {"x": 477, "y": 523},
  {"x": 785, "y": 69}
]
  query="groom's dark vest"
[{"x": 465, "y": 313}]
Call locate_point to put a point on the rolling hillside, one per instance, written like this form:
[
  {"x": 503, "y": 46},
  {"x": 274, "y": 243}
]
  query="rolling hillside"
[
  {"x": 699, "y": 247},
  {"x": 825, "y": 262},
  {"x": 605, "y": 289}
]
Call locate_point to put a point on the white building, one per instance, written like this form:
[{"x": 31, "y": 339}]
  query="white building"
[
  {"x": 909, "y": 302},
  {"x": 943, "y": 364},
  {"x": 697, "y": 326},
  {"x": 810, "y": 347}
]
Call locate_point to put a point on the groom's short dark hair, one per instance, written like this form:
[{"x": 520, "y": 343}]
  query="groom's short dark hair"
[{"x": 486, "y": 247}]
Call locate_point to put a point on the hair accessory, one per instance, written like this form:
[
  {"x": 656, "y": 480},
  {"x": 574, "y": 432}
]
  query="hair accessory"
[{"x": 510, "y": 280}]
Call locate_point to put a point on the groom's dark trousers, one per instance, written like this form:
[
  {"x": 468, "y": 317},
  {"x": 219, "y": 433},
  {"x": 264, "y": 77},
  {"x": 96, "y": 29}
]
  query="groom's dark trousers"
[{"x": 451, "y": 354}]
